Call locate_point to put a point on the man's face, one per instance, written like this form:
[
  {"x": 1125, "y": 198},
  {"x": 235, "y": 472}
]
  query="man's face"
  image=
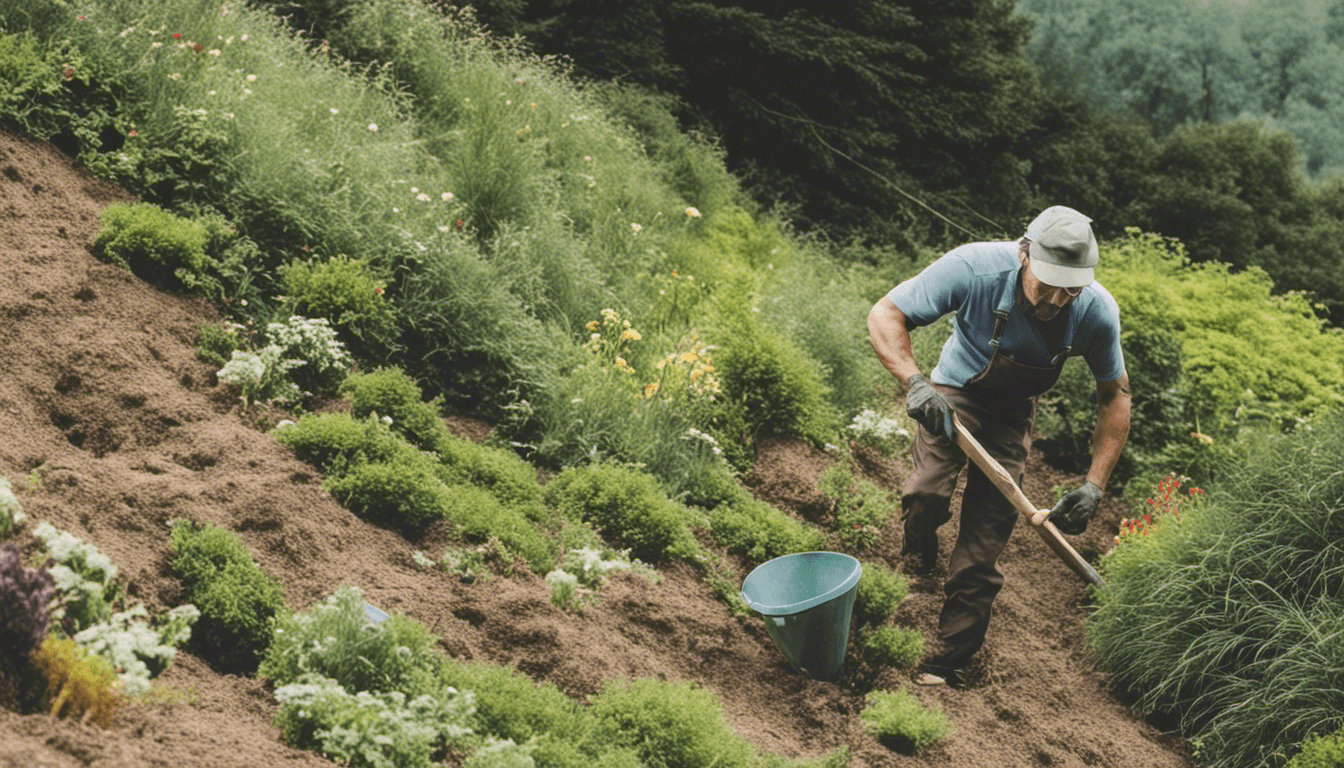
[{"x": 1046, "y": 300}]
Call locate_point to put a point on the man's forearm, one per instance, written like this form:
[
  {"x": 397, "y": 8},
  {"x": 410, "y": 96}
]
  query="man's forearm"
[{"x": 1110, "y": 434}]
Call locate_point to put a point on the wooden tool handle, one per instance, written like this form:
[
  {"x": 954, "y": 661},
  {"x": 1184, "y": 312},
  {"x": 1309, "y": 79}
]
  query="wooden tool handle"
[{"x": 1038, "y": 517}]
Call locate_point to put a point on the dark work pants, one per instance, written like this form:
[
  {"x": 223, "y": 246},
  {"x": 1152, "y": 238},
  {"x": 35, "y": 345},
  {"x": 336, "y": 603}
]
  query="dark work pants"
[{"x": 987, "y": 517}]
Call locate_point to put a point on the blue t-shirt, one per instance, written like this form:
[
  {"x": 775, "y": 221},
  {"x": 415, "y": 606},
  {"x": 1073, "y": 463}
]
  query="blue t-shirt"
[{"x": 974, "y": 280}]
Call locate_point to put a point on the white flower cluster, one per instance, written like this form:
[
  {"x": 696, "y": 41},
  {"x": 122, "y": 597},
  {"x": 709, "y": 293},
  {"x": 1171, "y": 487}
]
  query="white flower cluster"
[
  {"x": 84, "y": 576},
  {"x": 707, "y": 439},
  {"x": 880, "y": 432},
  {"x": 138, "y": 651}
]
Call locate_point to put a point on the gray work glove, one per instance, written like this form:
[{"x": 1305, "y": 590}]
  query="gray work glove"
[
  {"x": 929, "y": 408},
  {"x": 1073, "y": 512}
]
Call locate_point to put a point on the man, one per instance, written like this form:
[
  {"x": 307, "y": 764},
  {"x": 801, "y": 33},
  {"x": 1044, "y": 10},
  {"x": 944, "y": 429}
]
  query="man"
[{"x": 1021, "y": 309}]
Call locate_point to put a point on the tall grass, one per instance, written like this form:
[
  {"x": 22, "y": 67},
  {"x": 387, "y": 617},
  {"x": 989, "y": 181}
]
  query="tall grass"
[{"x": 1231, "y": 621}]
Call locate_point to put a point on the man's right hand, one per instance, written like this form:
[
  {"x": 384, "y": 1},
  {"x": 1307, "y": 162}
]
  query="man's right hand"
[{"x": 930, "y": 409}]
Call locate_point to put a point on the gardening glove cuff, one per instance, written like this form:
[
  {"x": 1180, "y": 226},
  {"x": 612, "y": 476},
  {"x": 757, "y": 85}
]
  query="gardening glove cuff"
[
  {"x": 1073, "y": 512},
  {"x": 930, "y": 409}
]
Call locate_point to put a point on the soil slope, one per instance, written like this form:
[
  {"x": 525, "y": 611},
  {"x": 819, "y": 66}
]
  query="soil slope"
[{"x": 101, "y": 393}]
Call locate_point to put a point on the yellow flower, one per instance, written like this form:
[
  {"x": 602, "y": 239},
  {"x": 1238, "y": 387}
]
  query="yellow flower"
[
  {"x": 650, "y": 389},
  {"x": 689, "y": 357},
  {"x": 630, "y": 334},
  {"x": 693, "y": 212},
  {"x": 592, "y": 325},
  {"x": 697, "y": 373}
]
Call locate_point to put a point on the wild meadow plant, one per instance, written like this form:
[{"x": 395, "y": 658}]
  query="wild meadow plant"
[{"x": 1221, "y": 609}]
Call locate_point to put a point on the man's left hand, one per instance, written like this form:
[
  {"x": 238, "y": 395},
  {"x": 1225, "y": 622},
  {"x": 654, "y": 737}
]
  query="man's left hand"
[{"x": 1073, "y": 512}]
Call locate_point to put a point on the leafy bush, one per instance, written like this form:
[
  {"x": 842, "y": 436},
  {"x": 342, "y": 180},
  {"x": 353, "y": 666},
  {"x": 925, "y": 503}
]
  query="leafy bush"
[
  {"x": 341, "y": 291},
  {"x": 898, "y": 720},
  {"x": 323, "y": 360},
  {"x": 884, "y": 434},
  {"x": 238, "y": 601},
  {"x": 390, "y": 392},
  {"x": 405, "y": 494},
  {"x": 164, "y": 249},
  {"x": 1320, "y": 751},
  {"x": 1221, "y": 354},
  {"x": 81, "y": 685},
  {"x": 336, "y": 639},
  {"x": 879, "y": 591},
  {"x": 628, "y": 507},
  {"x": 368, "y": 730},
  {"x": 1226, "y": 619},
  {"x": 27, "y": 594},
  {"x": 216, "y": 342},
  {"x": 889, "y": 646},
  {"x": 333, "y": 442},
  {"x": 770, "y": 386},
  {"x": 758, "y": 531},
  {"x": 671, "y": 724}
]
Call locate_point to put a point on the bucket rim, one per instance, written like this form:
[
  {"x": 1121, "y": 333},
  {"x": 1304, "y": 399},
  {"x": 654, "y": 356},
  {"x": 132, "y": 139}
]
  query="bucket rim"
[{"x": 812, "y": 602}]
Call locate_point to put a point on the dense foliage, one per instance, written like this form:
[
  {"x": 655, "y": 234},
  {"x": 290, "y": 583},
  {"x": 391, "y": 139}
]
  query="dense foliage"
[{"x": 1226, "y": 615}]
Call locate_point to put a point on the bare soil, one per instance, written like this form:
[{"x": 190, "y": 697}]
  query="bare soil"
[{"x": 103, "y": 400}]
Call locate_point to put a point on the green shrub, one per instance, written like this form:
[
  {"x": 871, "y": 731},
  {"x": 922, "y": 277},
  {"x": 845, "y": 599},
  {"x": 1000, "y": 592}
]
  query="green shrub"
[
  {"x": 216, "y": 342},
  {"x": 899, "y": 721},
  {"x": 323, "y": 362},
  {"x": 136, "y": 650},
  {"x": 342, "y": 291},
  {"x": 159, "y": 247},
  {"x": 888, "y": 646},
  {"x": 628, "y": 507},
  {"x": 406, "y": 494},
  {"x": 1227, "y": 619},
  {"x": 333, "y": 442},
  {"x": 479, "y": 516},
  {"x": 238, "y": 600},
  {"x": 390, "y": 392},
  {"x": 880, "y": 590},
  {"x": 758, "y": 531},
  {"x": 508, "y": 478},
  {"x": 511, "y": 705},
  {"x": 770, "y": 386},
  {"x": 1320, "y": 751},
  {"x": 336, "y": 639},
  {"x": 671, "y": 724}
]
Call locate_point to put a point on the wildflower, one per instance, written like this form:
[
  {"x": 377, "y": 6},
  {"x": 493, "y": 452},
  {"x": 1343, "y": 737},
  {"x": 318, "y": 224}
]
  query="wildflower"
[
  {"x": 635, "y": 227},
  {"x": 422, "y": 197},
  {"x": 378, "y": 289},
  {"x": 373, "y": 127},
  {"x": 175, "y": 76},
  {"x": 592, "y": 325},
  {"x": 243, "y": 38},
  {"x": 155, "y": 44},
  {"x": 650, "y": 389},
  {"x": 197, "y": 47},
  {"x": 177, "y": 35},
  {"x": 133, "y": 133},
  {"x": 459, "y": 223},
  {"x": 81, "y": 17},
  {"x": 335, "y": 111},
  {"x": 623, "y": 365},
  {"x": 68, "y": 73},
  {"x": 587, "y": 158},
  {"x": 446, "y": 197},
  {"x": 215, "y": 52},
  {"x": 251, "y": 78},
  {"x": 630, "y": 334},
  {"x": 693, "y": 212}
]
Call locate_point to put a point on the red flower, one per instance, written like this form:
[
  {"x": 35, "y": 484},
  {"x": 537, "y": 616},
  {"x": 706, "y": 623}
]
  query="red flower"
[
  {"x": 68, "y": 73},
  {"x": 459, "y": 223},
  {"x": 378, "y": 290},
  {"x": 177, "y": 35},
  {"x": 133, "y": 134}
]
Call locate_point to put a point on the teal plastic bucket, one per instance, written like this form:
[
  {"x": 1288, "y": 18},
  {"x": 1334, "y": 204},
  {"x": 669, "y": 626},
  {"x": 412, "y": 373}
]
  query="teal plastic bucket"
[{"x": 806, "y": 599}]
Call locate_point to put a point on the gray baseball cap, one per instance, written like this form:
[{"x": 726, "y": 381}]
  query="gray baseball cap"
[{"x": 1063, "y": 249}]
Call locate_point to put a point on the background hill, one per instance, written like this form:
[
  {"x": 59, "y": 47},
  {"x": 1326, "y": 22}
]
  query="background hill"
[{"x": 114, "y": 427}]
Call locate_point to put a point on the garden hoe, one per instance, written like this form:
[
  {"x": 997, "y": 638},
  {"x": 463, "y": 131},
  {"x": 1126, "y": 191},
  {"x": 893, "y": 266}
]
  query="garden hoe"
[{"x": 1005, "y": 483}]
